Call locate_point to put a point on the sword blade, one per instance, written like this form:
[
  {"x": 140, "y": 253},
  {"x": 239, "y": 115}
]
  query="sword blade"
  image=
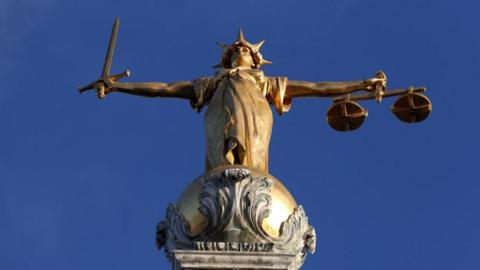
[{"x": 111, "y": 46}]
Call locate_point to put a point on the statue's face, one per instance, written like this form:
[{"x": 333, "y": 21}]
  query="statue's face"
[{"x": 241, "y": 57}]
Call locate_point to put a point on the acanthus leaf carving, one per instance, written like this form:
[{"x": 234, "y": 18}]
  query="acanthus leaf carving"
[
  {"x": 177, "y": 231},
  {"x": 215, "y": 200},
  {"x": 255, "y": 205}
]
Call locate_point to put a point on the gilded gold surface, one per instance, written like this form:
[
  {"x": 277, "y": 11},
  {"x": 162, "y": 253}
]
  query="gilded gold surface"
[
  {"x": 188, "y": 204},
  {"x": 282, "y": 206}
]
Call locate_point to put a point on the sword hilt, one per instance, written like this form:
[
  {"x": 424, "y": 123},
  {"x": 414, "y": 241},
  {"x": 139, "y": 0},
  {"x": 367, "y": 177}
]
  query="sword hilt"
[
  {"x": 101, "y": 91},
  {"x": 102, "y": 84},
  {"x": 118, "y": 76}
]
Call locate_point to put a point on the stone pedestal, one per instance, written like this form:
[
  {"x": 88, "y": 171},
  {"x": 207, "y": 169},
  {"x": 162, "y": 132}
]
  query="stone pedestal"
[{"x": 194, "y": 259}]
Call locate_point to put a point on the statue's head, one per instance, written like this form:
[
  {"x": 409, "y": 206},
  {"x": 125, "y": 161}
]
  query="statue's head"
[{"x": 241, "y": 53}]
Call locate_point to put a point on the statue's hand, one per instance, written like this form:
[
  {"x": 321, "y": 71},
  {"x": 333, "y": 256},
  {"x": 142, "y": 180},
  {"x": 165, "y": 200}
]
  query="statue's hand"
[
  {"x": 104, "y": 85},
  {"x": 377, "y": 85},
  {"x": 372, "y": 84}
]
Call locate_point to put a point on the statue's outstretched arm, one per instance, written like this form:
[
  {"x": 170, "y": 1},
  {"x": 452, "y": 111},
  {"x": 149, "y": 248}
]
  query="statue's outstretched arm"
[
  {"x": 329, "y": 89},
  {"x": 181, "y": 89},
  {"x": 322, "y": 89},
  {"x": 104, "y": 86}
]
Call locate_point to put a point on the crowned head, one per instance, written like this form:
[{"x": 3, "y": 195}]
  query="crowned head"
[{"x": 241, "y": 53}]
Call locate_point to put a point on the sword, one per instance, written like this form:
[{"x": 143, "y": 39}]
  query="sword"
[{"x": 105, "y": 76}]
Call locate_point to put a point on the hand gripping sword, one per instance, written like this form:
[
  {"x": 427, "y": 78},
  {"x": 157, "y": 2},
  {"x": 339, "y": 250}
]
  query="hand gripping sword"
[{"x": 105, "y": 77}]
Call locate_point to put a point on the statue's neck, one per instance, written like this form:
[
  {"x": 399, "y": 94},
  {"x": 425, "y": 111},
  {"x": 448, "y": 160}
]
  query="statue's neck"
[{"x": 222, "y": 72}]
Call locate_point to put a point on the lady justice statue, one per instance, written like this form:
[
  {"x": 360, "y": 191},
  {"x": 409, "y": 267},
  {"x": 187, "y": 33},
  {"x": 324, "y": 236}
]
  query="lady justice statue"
[
  {"x": 238, "y": 120},
  {"x": 236, "y": 207}
]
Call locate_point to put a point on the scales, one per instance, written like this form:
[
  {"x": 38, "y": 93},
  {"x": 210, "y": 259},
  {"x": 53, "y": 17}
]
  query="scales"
[{"x": 345, "y": 114}]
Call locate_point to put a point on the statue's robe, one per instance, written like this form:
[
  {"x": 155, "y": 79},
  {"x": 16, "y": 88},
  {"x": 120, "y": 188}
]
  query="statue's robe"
[{"x": 238, "y": 121}]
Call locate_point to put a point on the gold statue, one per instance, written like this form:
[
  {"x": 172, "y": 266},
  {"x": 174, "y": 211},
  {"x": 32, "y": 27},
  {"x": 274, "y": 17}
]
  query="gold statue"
[{"x": 238, "y": 120}]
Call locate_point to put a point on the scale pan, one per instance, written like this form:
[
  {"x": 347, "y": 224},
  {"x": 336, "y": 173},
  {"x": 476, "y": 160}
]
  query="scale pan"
[
  {"x": 346, "y": 116},
  {"x": 412, "y": 108}
]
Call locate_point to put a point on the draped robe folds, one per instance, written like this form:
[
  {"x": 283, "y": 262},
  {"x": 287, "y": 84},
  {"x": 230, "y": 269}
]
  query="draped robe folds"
[{"x": 238, "y": 121}]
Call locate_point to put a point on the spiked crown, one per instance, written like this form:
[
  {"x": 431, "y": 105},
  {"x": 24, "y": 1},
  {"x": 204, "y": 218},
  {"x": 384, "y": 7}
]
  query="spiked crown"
[{"x": 258, "y": 60}]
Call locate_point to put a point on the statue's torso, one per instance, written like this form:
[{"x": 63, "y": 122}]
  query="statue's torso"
[
  {"x": 239, "y": 111},
  {"x": 238, "y": 121}
]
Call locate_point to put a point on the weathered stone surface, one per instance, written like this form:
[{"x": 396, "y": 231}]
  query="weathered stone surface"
[
  {"x": 188, "y": 259},
  {"x": 232, "y": 246}
]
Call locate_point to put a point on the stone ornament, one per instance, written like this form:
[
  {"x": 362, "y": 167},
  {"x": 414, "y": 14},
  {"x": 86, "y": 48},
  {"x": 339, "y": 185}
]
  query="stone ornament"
[{"x": 235, "y": 202}]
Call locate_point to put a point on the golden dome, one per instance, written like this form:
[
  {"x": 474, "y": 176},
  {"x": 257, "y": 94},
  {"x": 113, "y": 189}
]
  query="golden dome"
[{"x": 282, "y": 203}]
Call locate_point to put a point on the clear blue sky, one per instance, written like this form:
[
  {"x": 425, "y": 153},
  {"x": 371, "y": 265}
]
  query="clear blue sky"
[{"x": 83, "y": 182}]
